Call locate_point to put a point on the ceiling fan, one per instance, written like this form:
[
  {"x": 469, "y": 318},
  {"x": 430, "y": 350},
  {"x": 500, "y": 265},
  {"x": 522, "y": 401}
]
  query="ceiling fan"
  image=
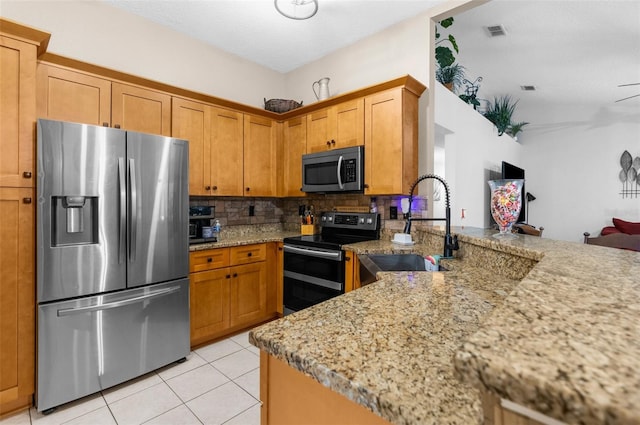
[{"x": 626, "y": 85}]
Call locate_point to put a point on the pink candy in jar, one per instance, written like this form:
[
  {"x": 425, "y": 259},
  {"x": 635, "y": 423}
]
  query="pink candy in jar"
[{"x": 506, "y": 201}]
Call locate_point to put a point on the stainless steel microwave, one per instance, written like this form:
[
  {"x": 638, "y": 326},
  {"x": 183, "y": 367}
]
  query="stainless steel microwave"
[{"x": 337, "y": 170}]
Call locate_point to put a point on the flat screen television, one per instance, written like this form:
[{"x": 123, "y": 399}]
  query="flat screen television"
[{"x": 510, "y": 171}]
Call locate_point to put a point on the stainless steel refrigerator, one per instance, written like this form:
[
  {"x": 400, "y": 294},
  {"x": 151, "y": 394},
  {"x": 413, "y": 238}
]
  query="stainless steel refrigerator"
[{"x": 112, "y": 257}]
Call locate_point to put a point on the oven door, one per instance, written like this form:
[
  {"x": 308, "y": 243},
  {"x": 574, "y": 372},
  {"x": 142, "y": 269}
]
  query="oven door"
[{"x": 311, "y": 276}]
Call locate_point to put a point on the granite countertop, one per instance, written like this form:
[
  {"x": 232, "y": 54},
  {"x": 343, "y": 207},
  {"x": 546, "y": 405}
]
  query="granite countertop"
[
  {"x": 245, "y": 238},
  {"x": 547, "y": 324}
]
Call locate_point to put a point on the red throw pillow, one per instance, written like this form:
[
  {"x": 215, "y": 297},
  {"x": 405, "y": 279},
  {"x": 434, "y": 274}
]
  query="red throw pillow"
[
  {"x": 609, "y": 230},
  {"x": 627, "y": 226}
]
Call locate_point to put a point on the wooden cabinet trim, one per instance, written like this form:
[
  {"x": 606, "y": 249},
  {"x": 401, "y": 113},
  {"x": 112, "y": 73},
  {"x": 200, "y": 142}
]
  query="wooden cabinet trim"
[{"x": 27, "y": 34}]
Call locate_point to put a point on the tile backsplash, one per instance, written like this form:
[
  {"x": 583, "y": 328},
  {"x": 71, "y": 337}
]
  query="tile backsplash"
[{"x": 235, "y": 211}]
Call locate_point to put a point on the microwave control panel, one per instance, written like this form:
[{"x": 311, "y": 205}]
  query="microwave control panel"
[{"x": 350, "y": 171}]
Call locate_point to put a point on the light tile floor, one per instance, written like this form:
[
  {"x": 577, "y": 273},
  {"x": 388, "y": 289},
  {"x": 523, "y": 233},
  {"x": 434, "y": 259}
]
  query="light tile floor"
[{"x": 218, "y": 384}]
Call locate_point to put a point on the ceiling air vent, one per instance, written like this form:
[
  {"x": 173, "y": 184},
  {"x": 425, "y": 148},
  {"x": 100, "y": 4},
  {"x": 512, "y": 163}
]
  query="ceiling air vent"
[
  {"x": 528, "y": 88},
  {"x": 496, "y": 30}
]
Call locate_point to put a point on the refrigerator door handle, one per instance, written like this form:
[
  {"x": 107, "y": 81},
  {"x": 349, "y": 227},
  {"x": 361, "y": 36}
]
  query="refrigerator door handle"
[
  {"x": 116, "y": 304},
  {"x": 134, "y": 210},
  {"x": 122, "y": 225}
]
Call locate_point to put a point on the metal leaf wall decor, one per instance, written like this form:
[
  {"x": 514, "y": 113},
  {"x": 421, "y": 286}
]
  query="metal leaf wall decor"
[{"x": 629, "y": 175}]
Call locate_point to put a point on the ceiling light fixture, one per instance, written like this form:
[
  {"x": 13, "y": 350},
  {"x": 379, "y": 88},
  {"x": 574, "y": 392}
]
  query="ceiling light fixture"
[{"x": 297, "y": 9}]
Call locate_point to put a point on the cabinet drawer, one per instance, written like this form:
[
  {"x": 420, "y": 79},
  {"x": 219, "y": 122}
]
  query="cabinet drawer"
[
  {"x": 248, "y": 254},
  {"x": 208, "y": 260}
]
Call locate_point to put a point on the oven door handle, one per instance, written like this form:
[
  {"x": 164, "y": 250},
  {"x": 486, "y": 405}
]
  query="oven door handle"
[
  {"x": 335, "y": 256},
  {"x": 329, "y": 284}
]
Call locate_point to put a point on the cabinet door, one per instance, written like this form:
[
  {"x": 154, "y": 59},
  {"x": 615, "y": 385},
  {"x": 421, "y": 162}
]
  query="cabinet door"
[
  {"x": 192, "y": 121},
  {"x": 138, "y": 109},
  {"x": 209, "y": 303},
  {"x": 260, "y": 159},
  {"x": 226, "y": 154},
  {"x": 391, "y": 144},
  {"x": 73, "y": 96},
  {"x": 295, "y": 145},
  {"x": 17, "y": 112},
  {"x": 248, "y": 293},
  {"x": 17, "y": 298},
  {"x": 318, "y": 131},
  {"x": 348, "y": 124}
]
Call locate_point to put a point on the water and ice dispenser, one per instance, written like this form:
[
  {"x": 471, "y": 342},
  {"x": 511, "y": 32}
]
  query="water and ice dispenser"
[{"x": 74, "y": 220}]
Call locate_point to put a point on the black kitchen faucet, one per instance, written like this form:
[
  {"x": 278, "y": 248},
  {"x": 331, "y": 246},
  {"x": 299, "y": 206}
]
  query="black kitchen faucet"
[{"x": 450, "y": 242}]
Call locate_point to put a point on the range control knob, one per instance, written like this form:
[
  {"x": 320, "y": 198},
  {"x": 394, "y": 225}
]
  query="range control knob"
[
  {"x": 369, "y": 221},
  {"x": 361, "y": 220}
]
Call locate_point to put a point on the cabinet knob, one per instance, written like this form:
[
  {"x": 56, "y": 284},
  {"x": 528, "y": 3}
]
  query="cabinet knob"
[
  {"x": 26, "y": 200},
  {"x": 228, "y": 276},
  {"x": 215, "y": 187},
  {"x": 366, "y": 186},
  {"x": 280, "y": 248},
  {"x": 26, "y": 174},
  {"x": 105, "y": 124},
  {"x": 207, "y": 188},
  {"x": 333, "y": 142},
  {"x": 248, "y": 189},
  {"x": 347, "y": 258},
  {"x": 235, "y": 275},
  {"x": 328, "y": 143},
  {"x": 249, "y": 254},
  {"x": 117, "y": 126},
  {"x": 209, "y": 260}
]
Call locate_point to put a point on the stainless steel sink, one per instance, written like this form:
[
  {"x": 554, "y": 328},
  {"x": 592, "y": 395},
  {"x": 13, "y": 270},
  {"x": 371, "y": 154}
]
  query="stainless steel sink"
[{"x": 370, "y": 264}]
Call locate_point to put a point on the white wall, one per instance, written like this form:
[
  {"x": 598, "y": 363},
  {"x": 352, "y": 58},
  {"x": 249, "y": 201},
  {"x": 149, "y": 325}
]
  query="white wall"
[
  {"x": 399, "y": 50},
  {"x": 99, "y": 34},
  {"x": 472, "y": 150},
  {"x": 572, "y": 160}
]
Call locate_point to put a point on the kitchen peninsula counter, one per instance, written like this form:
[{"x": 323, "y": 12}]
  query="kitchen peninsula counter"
[{"x": 550, "y": 325}]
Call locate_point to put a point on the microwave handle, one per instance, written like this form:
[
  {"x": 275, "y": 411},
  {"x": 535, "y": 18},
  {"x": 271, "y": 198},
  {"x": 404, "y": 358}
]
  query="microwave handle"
[{"x": 340, "y": 168}]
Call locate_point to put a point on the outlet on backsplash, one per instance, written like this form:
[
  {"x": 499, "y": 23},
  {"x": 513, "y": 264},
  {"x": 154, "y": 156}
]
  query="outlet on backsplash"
[
  {"x": 393, "y": 213},
  {"x": 252, "y": 210}
]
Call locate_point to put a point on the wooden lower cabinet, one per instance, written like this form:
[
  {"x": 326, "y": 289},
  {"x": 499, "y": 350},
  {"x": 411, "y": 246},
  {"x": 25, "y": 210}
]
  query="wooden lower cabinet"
[
  {"x": 231, "y": 289},
  {"x": 290, "y": 397},
  {"x": 17, "y": 298},
  {"x": 209, "y": 300},
  {"x": 351, "y": 271},
  {"x": 248, "y": 296}
]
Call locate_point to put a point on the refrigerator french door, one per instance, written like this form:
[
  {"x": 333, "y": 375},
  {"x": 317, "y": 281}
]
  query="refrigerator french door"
[{"x": 112, "y": 257}]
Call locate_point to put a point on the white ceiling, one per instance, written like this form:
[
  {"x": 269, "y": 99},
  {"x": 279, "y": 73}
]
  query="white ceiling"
[
  {"x": 254, "y": 30},
  {"x": 573, "y": 51}
]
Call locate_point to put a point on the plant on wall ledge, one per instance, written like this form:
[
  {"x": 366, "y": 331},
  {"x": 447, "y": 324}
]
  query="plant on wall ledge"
[
  {"x": 451, "y": 76},
  {"x": 448, "y": 72},
  {"x": 500, "y": 113}
]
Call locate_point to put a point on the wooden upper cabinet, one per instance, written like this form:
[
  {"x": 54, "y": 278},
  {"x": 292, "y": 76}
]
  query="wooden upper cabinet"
[
  {"x": 138, "y": 109},
  {"x": 260, "y": 156},
  {"x": 295, "y": 145},
  {"x": 192, "y": 121},
  {"x": 391, "y": 142},
  {"x": 226, "y": 155},
  {"x": 66, "y": 95},
  {"x": 17, "y": 112},
  {"x": 338, "y": 126}
]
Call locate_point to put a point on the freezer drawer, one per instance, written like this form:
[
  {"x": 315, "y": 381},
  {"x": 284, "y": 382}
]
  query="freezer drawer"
[{"x": 89, "y": 344}]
